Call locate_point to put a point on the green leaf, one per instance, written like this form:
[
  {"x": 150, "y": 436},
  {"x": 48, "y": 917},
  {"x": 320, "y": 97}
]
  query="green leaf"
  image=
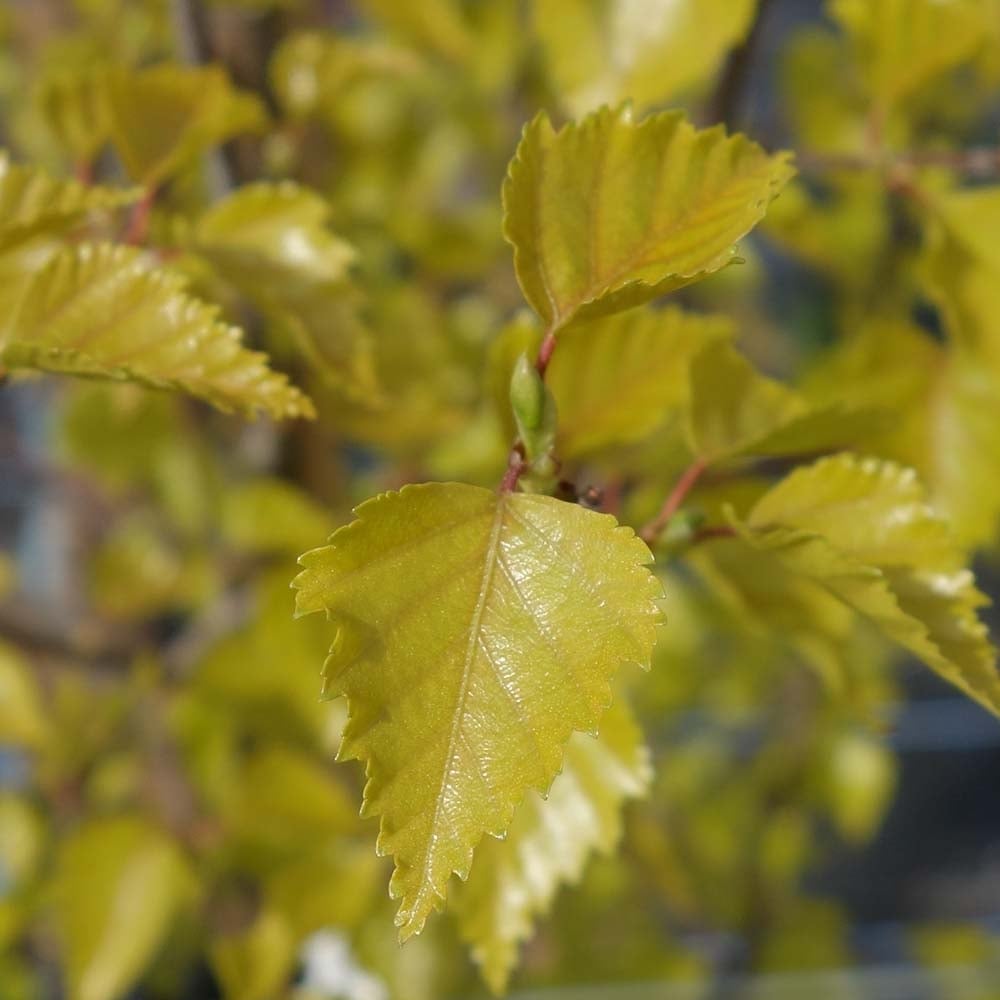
[
  {"x": 735, "y": 410},
  {"x": 864, "y": 530},
  {"x": 271, "y": 239},
  {"x": 942, "y": 402},
  {"x": 165, "y": 116},
  {"x": 904, "y": 44},
  {"x": 255, "y": 963},
  {"x": 272, "y": 515},
  {"x": 616, "y": 379},
  {"x": 33, "y": 203},
  {"x": 646, "y": 52},
  {"x": 22, "y": 717},
  {"x": 962, "y": 266},
  {"x": 475, "y": 633},
  {"x": 100, "y": 310},
  {"x": 285, "y": 797},
  {"x": 74, "y": 103},
  {"x": 860, "y": 779},
  {"x": 118, "y": 885},
  {"x": 732, "y": 406},
  {"x": 549, "y": 842},
  {"x": 779, "y": 605},
  {"x": 605, "y": 214},
  {"x": 437, "y": 25}
]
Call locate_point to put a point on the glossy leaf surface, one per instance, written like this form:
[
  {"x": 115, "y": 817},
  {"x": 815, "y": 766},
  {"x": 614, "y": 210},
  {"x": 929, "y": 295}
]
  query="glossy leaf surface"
[
  {"x": 616, "y": 50},
  {"x": 864, "y": 530},
  {"x": 605, "y": 214},
  {"x": 514, "y": 880},
  {"x": 617, "y": 378},
  {"x": 273, "y": 235},
  {"x": 99, "y": 310},
  {"x": 32, "y": 203},
  {"x": 475, "y": 633}
]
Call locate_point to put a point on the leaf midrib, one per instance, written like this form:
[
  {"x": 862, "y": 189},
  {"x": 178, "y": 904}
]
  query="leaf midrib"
[{"x": 490, "y": 557}]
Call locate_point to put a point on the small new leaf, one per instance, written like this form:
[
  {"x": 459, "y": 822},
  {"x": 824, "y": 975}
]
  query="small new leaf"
[
  {"x": 864, "y": 530},
  {"x": 549, "y": 842},
  {"x": 475, "y": 633},
  {"x": 99, "y": 310},
  {"x": 605, "y": 214}
]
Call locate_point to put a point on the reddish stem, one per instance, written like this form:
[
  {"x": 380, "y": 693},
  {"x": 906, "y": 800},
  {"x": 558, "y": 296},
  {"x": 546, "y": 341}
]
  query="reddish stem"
[
  {"x": 651, "y": 532},
  {"x": 138, "y": 223},
  {"x": 83, "y": 171},
  {"x": 515, "y": 466},
  {"x": 548, "y": 345}
]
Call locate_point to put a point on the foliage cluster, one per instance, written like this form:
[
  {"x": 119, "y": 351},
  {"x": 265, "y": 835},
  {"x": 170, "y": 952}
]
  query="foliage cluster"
[{"x": 558, "y": 469}]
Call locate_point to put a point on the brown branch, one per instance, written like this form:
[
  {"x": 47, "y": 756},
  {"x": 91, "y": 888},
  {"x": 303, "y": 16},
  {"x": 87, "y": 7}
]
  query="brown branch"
[
  {"x": 652, "y": 531},
  {"x": 977, "y": 162}
]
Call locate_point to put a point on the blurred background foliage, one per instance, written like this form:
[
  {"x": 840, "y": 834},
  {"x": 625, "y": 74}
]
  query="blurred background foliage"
[{"x": 821, "y": 820}]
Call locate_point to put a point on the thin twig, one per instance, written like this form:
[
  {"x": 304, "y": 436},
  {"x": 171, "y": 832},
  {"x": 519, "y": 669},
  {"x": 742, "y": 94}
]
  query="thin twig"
[
  {"x": 652, "y": 531},
  {"x": 978, "y": 162},
  {"x": 138, "y": 223}
]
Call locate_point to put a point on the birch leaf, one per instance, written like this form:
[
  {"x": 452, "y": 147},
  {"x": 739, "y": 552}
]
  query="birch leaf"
[
  {"x": 273, "y": 234},
  {"x": 615, "y": 50},
  {"x": 736, "y": 411},
  {"x": 864, "y": 530},
  {"x": 119, "y": 883},
  {"x": 605, "y": 214},
  {"x": 475, "y": 633},
  {"x": 616, "y": 379},
  {"x": 33, "y": 203},
  {"x": 164, "y": 116},
  {"x": 515, "y": 880},
  {"x": 99, "y": 310},
  {"x": 904, "y": 44}
]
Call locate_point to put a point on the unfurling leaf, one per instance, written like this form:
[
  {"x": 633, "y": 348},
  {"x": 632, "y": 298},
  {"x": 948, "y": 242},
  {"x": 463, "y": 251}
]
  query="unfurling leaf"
[
  {"x": 164, "y": 116},
  {"x": 118, "y": 886},
  {"x": 864, "y": 530},
  {"x": 515, "y": 880},
  {"x": 735, "y": 411},
  {"x": 615, "y": 50},
  {"x": 100, "y": 310},
  {"x": 33, "y": 203},
  {"x": 475, "y": 633},
  {"x": 616, "y": 379},
  {"x": 605, "y": 214}
]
